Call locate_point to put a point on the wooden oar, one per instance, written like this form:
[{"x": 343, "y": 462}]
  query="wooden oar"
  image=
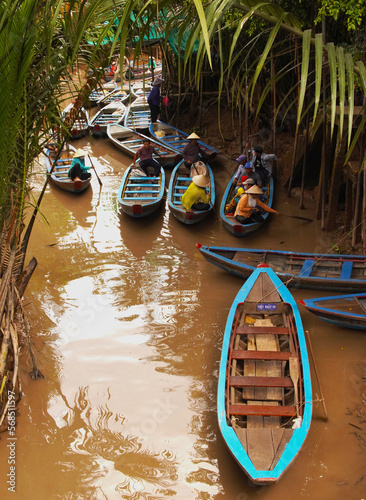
[
  {"x": 297, "y": 217},
  {"x": 294, "y": 374},
  {"x": 96, "y": 173},
  {"x": 317, "y": 376}
]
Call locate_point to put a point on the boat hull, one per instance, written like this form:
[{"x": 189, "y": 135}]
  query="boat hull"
[
  {"x": 230, "y": 223},
  {"x": 179, "y": 182},
  {"x": 298, "y": 270},
  {"x": 347, "y": 311},
  {"x": 140, "y": 196},
  {"x": 264, "y": 409}
]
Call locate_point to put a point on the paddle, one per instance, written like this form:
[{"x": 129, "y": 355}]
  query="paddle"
[
  {"x": 297, "y": 217},
  {"x": 317, "y": 376},
  {"x": 294, "y": 374},
  {"x": 96, "y": 173}
]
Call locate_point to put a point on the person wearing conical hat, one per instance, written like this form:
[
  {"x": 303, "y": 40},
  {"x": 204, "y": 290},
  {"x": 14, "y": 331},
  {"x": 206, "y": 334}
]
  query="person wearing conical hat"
[
  {"x": 196, "y": 198},
  {"x": 249, "y": 206},
  {"x": 78, "y": 171},
  {"x": 154, "y": 99}
]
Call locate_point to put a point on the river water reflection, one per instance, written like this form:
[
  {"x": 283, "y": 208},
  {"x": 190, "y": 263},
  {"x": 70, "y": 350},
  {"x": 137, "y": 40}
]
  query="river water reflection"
[{"x": 127, "y": 322}]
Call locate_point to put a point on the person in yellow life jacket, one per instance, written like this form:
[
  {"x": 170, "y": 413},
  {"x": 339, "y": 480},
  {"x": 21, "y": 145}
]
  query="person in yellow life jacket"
[
  {"x": 247, "y": 210},
  {"x": 230, "y": 207},
  {"x": 195, "y": 198}
]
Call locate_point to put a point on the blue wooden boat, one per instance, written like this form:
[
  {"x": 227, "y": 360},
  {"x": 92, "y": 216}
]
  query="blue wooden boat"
[
  {"x": 99, "y": 123},
  {"x": 97, "y": 94},
  {"x": 180, "y": 180},
  {"x": 175, "y": 138},
  {"x": 77, "y": 126},
  {"x": 229, "y": 221},
  {"x": 58, "y": 174},
  {"x": 264, "y": 397},
  {"x": 139, "y": 195},
  {"x": 342, "y": 310},
  {"x": 129, "y": 141},
  {"x": 118, "y": 95},
  {"x": 138, "y": 114},
  {"x": 299, "y": 270}
]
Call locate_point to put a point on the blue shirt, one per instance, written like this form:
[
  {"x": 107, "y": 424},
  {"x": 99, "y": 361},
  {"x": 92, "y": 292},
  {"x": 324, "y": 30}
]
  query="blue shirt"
[{"x": 154, "y": 96}]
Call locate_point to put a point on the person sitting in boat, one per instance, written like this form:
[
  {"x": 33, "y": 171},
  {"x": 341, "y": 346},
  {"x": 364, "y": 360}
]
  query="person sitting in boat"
[
  {"x": 262, "y": 163},
  {"x": 230, "y": 207},
  {"x": 196, "y": 198},
  {"x": 78, "y": 171},
  {"x": 248, "y": 208},
  {"x": 242, "y": 160},
  {"x": 248, "y": 169},
  {"x": 145, "y": 153}
]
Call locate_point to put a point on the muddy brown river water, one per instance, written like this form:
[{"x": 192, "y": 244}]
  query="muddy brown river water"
[{"x": 127, "y": 321}]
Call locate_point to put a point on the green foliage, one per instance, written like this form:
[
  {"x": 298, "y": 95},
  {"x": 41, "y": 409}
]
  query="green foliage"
[{"x": 353, "y": 10}]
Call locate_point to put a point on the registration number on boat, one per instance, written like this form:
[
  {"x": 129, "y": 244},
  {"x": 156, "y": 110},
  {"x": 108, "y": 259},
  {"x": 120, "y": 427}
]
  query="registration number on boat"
[{"x": 266, "y": 307}]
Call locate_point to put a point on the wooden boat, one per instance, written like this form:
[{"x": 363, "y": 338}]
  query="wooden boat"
[
  {"x": 98, "y": 124},
  {"x": 175, "y": 138},
  {"x": 129, "y": 141},
  {"x": 138, "y": 116},
  {"x": 229, "y": 221},
  {"x": 78, "y": 127},
  {"x": 343, "y": 310},
  {"x": 180, "y": 180},
  {"x": 299, "y": 270},
  {"x": 59, "y": 173},
  {"x": 99, "y": 93},
  {"x": 117, "y": 96},
  {"x": 264, "y": 400},
  {"x": 139, "y": 195}
]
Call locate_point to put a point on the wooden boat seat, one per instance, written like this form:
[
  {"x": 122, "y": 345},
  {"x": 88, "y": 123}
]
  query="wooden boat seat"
[
  {"x": 240, "y": 381},
  {"x": 307, "y": 268},
  {"x": 275, "y": 330},
  {"x": 346, "y": 270},
  {"x": 144, "y": 191},
  {"x": 260, "y": 355},
  {"x": 262, "y": 410},
  {"x": 184, "y": 179}
]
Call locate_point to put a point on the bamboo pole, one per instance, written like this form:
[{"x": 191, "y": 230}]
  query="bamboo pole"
[{"x": 317, "y": 376}]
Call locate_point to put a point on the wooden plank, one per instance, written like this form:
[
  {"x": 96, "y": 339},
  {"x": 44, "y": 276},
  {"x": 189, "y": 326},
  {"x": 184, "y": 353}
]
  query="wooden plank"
[
  {"x": 260, "y": 448},
  {"x": 273, "y": 330},
  {"x": 254, "y": 355},
  {"x": 249, "y": 368},
  {"x": 262, "y": 410},
  {"x": 238, "y": 381},
  {"x": 254, "y": 421}
]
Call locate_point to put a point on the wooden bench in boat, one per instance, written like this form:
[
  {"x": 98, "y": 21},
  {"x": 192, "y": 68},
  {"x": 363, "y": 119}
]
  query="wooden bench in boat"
[
  {"x": 240, "y": 381},
  {"x": 271, "y": 330},
  {"x": 262, "y": 410},
  {"x": 260, "y": 355}
]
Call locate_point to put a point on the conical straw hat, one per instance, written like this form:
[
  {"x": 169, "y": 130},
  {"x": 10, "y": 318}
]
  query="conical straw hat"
[
  {"x": 193, "y": 136},
  {"x": 254, "y": 190}
]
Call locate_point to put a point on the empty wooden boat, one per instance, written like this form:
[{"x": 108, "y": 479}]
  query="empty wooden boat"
[
  {"x": 98, "y": 94},
  {"x": 300, "y": 270},
  {"x": 140, "y": 195},
  {"x": 129, "y": 141},
  {"x": 77, "y": 123},
  {"x": 99, "y": 123},
  {"x": 264, "y": 397},
  {"x": 230, "y": 223},
  {"x": 176, "y": 139},
  {"x": 58, "y": 174},
  {"x": 118, "y": 95},
  {"x": 342, "y": 310},
  {"x": 180, "y": 180}
]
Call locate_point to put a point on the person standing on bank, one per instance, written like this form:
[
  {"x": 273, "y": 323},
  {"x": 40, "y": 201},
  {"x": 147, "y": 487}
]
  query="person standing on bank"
[
  {"x": 154, "y": 99},
  {"x": 78, "y": 171},
  {"x": 196, "y": 198},
  {"x": 145, "y": 153},
  {"x": 246, "y": 210},
  {"x": 262, "y": 163}
]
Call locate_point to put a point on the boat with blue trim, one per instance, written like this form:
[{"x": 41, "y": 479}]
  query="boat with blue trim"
[
  {"x": 264, "y": 397},
  {"x": 335, "y": 272},
  {"x": 343, "y": 310}
]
